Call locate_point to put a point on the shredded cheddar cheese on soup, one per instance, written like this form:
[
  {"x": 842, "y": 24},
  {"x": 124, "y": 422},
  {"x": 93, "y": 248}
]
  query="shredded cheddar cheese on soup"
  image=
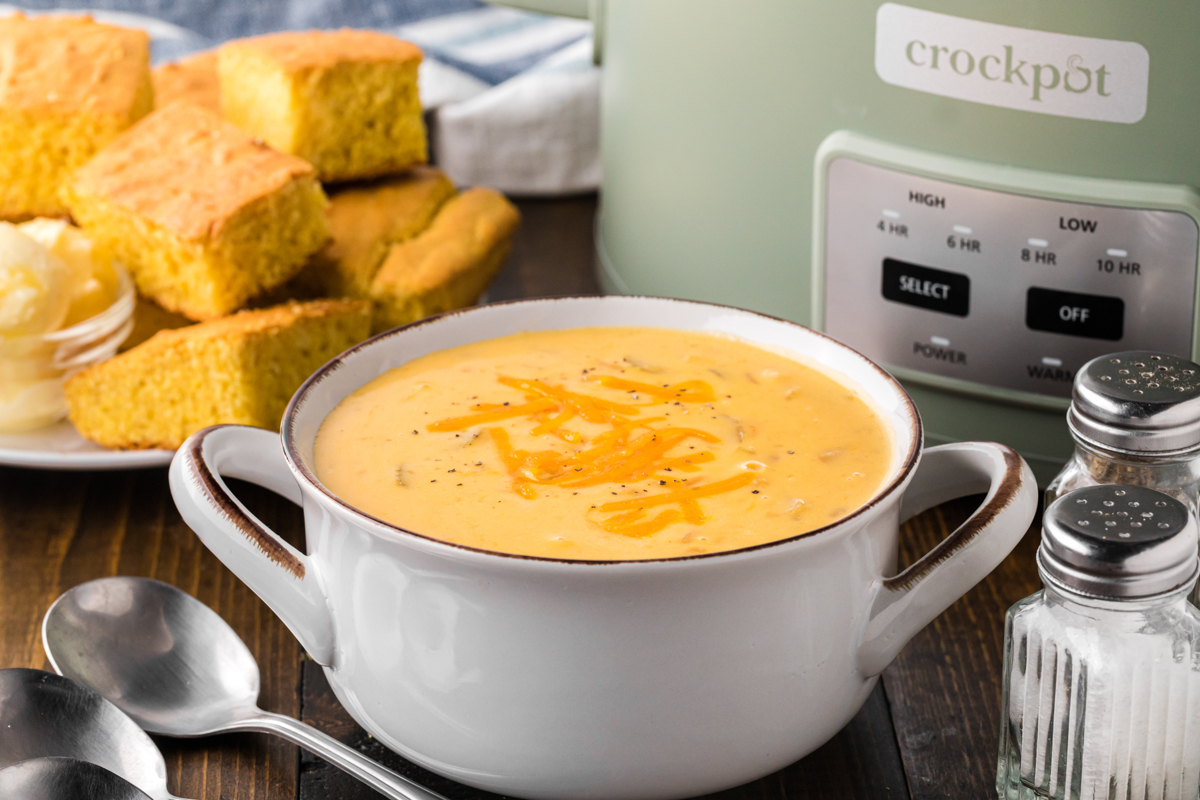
[
  {"x": 633, "y": 450},
  {"x": 605, "y": 444}
]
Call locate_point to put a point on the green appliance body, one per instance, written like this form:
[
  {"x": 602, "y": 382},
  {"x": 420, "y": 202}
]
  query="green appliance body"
[{"x": 979, "y": 196}]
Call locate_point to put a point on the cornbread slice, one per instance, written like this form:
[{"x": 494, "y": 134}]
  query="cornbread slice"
[
  {"x": 68, "y": 86},
  {"x": 203, "y": 216},
  {"x": 345, "y": 100},
  {"x": 240, "y": 369},
  {"x": 364, "y": 221},
  {"x": 450, "y": 264},
  {"x": 192, "y": 80},
  {"x": 148, "y": 319}
]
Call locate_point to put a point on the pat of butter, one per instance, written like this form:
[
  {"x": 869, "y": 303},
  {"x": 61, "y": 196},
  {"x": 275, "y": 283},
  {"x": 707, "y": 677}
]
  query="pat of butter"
[
  {"x": 92, "y": 285},
  {"x": 34, "y": 286}
]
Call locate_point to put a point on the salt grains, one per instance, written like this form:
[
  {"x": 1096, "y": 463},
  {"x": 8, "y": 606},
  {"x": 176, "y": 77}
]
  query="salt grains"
[{"x": 1101, "y": 703}]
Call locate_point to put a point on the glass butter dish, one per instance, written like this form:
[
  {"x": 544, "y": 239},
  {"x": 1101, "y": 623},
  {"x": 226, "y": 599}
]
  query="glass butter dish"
[
  {"x": 34, "y": 368},
  {"x": 63, "y": 307}
]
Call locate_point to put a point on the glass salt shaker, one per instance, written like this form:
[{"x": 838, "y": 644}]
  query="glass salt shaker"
[
  {"x": 1135, "y": 418},
  {"x": 1102, "y": 667}
]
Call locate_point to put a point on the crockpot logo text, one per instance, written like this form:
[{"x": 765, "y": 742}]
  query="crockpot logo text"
[{"x": 1008, "y": 67}]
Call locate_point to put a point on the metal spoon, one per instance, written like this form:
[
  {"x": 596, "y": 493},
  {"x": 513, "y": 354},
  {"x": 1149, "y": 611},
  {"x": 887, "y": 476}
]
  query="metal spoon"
[
  {"x": 173, "y": 665},
  {"x": 57, "y": 778},
  {"x": 43, "y": 714}
]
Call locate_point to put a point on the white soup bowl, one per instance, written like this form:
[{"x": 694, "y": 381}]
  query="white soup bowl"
[{"x": 576, "y": 680}]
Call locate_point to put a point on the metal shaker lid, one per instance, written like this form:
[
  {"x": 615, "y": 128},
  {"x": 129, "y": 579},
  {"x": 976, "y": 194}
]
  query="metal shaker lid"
[
  {"x": 1116, "y": 541},
  {"x": 1137, "y": 402}
]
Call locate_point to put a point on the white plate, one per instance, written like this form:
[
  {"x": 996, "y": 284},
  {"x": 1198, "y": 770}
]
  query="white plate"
[{"x": 61, "y": 447}]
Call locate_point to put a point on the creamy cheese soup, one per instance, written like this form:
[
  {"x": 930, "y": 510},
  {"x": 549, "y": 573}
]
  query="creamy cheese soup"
[{"x": 605, "y": 444}]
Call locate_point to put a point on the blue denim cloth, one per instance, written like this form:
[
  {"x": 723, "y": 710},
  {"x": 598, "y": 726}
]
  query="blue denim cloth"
[
  {"x": 214, "y": 21},
  {"x": 207, "y": 23},
  {"x": 218, "y": 20}
]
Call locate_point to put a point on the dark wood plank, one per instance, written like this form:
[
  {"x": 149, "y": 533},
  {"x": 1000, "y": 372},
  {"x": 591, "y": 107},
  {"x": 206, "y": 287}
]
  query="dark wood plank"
[
  {"x": 552, "y": 252},
  {"x": 944, "y": 689},
  {"x": 59, "y": 529}
]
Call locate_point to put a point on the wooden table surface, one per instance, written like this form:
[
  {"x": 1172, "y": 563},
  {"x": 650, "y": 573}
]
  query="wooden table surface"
[{"x": 928, "y": 731}]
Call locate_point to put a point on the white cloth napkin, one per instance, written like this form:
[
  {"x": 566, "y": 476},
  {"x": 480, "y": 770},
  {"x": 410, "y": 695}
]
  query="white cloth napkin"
[{"x": 536, "y": 132}]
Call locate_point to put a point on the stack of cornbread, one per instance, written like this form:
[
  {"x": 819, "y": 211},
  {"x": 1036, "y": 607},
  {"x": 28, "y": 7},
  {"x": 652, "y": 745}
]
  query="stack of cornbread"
[{"x": 283, "y": 171}]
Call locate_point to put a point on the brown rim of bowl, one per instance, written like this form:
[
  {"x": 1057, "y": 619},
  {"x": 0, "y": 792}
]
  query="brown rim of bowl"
[{"x": 326, "y": 371}]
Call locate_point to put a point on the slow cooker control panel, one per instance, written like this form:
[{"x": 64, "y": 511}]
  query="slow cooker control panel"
[{"x": 998, "y": 288}]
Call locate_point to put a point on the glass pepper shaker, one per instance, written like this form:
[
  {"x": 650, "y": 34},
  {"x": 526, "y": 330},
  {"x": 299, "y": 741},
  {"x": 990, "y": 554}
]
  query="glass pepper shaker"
[
  {"x": 1101, "y": 692},
  {"x": 1135, "y": 418}
]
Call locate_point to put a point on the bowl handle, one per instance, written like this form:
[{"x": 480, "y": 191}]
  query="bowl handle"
[
  {"x": 277, "y": 572},
  {"x": 906, "y": 603}
]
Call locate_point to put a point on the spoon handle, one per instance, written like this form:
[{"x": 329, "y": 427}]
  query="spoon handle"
[{"x": 380, "y": 778}]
